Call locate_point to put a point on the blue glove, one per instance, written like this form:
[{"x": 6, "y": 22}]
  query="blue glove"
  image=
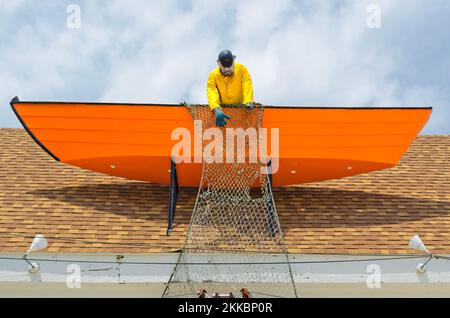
[
  {"x": 250, "y": 106},
  {"x": 221, "y": 118}
]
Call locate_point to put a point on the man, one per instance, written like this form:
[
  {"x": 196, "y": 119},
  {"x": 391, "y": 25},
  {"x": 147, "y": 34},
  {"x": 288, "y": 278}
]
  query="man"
[{"x": 229, "y": 83}]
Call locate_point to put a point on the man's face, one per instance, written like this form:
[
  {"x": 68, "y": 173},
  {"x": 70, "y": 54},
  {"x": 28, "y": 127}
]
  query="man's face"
[{"x": 226, "y": 71}]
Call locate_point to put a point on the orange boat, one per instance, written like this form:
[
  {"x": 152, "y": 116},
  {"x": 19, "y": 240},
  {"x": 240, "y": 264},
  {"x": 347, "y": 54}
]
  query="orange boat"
[{"x": 134, "y": 140}]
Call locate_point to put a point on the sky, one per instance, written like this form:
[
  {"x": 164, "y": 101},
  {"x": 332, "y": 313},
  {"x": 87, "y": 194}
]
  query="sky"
[{"x": 386, "y": 53}]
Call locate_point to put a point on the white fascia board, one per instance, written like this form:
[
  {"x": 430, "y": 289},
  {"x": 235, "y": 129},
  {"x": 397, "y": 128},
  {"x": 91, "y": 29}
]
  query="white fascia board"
[{"x": 57, "y": 268}]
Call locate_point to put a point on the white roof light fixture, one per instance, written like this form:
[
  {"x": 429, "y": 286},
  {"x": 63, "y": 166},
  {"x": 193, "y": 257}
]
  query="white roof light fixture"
[
  {"x": 39, "y": 243},
  {"x": 416, "y": 243}
]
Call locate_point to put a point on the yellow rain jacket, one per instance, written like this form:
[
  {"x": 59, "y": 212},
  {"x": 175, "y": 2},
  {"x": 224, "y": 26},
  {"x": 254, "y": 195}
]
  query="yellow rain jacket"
[{"x": 235, "y": 89}]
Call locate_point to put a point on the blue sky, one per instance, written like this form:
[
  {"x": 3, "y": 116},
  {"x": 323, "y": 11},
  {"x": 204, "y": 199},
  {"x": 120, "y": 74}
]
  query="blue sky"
[{"x": 311, "y": 52}]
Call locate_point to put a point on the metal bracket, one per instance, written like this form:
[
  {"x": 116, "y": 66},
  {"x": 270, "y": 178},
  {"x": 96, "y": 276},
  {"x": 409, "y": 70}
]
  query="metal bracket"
[{"x": 174, "y": 189}]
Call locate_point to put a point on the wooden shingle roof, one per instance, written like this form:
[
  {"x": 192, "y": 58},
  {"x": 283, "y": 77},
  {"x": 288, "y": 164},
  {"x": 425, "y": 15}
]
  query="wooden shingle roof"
[{"x": 83, "y": 211}]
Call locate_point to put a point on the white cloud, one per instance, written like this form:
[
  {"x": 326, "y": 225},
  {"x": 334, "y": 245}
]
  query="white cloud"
[
  {"x": 298, "y": 52},
  {"x": 9, "y": 6}
]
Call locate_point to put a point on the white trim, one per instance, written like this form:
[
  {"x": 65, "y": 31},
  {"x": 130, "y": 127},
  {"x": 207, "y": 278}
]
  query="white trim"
[{"x": 52, "y": 271}]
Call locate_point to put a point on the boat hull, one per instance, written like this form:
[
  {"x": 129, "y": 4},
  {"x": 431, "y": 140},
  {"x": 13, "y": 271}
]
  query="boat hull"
[{"x": 133, "y": 141}]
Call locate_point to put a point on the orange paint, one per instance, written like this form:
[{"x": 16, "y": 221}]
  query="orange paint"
[{"x": 134, "y": 140}]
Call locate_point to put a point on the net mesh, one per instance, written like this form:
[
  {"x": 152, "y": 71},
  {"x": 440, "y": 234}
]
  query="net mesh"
[{"x": 234, "y": 240}]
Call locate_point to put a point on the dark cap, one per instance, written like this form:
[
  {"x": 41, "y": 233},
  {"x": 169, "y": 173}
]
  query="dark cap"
[{"x": 226, "y": 58}]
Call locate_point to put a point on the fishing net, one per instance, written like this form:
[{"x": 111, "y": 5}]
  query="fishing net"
[{"x": 234, "y": 240}]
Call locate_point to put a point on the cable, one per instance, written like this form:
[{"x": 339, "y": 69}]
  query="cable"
[
  {"x": 220, "y": 263},
  {"x": 231, "y": 263}
]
